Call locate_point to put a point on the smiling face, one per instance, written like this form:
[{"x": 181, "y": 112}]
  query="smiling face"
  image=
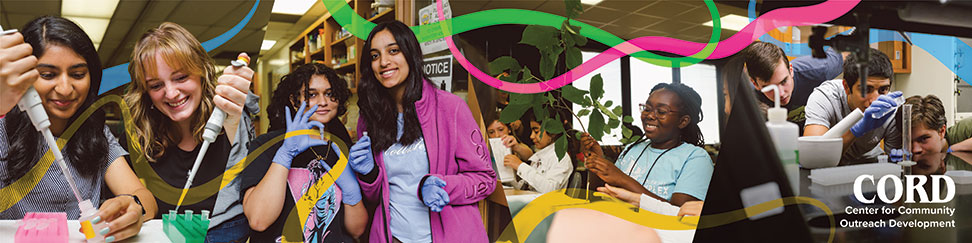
[
  {"x": 64, "y": 81},
  {"x": 928, "y": 149},
  {"x": 387, "y": 60},
  {"x": 174, "y": 91},
  {"x": 321, "y": 95},
  {"x": 662, "y": 118},
  {"x": 876, "y": 86}
]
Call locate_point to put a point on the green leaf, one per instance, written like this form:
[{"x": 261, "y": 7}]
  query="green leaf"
[
  {"x": 561, "y": 146},
  {"x": 625, "y": 132},
  {"x": 527, "y": 75},
  {"x": 540, "y": 36},
  {"x": 516, "y": 98},
  {"x": 539, "y": 112},
  {"x": 553, "y": 126},
  {"x": 579, "y": 40},
  {"x": 613, "y": 123},
  {"x": 595, "y": 126},
  {"x": 618, "y": 111},
  {"x": 573, "y": 57},
  {"x": 498, "y": 65},
  {"x": 574, "y": 8},
  {"x": 608, "y": 103},
  {"x": 584, "y": 112},
  {"x": 574, "y": 95},
  {"x": 597, "y": 87},
  {"x": 628, "y": 119},
  {"x": 548, "y": 61},
  {"x": 513, "y": 112}
]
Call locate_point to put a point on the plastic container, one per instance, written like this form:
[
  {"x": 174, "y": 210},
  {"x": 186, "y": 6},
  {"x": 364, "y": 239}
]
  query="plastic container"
[
  {"x": 42, "y": 228},
  {"x": 89, "y": 229},
  {"x": 187, "y": 227},
  {"x": 784, "y": 135},
  {"x": 847, "y": 174}
]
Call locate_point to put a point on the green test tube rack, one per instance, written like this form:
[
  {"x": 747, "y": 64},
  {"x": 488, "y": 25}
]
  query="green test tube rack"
[{"x": 187, "y": 227}]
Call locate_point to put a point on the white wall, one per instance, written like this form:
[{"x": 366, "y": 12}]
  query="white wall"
[{"x": 928, "y": 76}]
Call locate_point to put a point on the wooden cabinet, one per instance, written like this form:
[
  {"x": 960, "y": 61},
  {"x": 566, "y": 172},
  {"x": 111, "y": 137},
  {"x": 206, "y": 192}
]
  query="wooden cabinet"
[
  {"x": 326, "y": 42},
  {"x": 900, "y": 54}
]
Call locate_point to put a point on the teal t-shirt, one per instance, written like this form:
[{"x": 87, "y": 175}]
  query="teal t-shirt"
[{"x": 684, "y": 169}]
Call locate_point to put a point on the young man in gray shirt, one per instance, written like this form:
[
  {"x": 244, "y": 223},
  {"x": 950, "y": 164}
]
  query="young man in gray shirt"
[{"x": 833, "y": 100}]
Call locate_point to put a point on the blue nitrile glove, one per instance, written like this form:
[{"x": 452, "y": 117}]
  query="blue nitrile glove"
[
  {"x": 883, "y": 104},
  {"x": 433, "y": 194},
  {"x": 896, "y": 155},
  {"x": 295, "y": 145},
  {"x": 350, "y": 191},
  {"x": 360, "y": 158}
]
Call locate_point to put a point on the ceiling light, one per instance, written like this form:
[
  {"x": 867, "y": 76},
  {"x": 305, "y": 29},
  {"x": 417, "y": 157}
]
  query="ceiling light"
[
  {"x": 292, "y": 7},
  {"x": 731, "y": 22},
  {"x": 94, "y": 27},
  {"x": 89, "y": 8},
  {"x": 591, "y": 2},
  {"x": 267, "y": 44}
]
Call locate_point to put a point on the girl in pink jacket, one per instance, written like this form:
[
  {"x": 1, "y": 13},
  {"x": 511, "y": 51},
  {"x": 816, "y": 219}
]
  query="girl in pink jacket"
[{"x": 425, "y": 164}]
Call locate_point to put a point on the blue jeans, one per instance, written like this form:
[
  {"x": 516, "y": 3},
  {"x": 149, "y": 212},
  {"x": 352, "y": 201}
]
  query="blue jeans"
[{"x": 234, "y": 230}]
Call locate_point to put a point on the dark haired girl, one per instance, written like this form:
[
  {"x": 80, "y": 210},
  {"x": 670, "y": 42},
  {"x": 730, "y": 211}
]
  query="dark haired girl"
[
  {"x": 70, "y": 74},
  {"x": 276, "y": 180},
  {"x": 424, "y": 161},
  {"x": 668, "y": 164}
]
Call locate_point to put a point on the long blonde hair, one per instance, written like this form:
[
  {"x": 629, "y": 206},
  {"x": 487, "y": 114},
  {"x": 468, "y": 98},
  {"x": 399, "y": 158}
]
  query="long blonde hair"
[{"x": 154, "y": 131}]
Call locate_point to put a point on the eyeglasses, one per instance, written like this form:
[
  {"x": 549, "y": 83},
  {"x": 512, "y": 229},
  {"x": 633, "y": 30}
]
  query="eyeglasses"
[{"x": 659, "y": 111}]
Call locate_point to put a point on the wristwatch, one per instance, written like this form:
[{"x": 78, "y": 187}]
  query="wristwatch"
[{"x": 139, "y": 202}]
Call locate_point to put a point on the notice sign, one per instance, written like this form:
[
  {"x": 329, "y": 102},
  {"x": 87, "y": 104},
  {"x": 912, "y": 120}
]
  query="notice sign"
[
  {"x": 439, "y": 71},
  {"x": 428, "y": 15}
]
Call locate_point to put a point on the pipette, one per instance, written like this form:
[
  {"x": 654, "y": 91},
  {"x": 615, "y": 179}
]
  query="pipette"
[
  {"x": 32, "y": 104},
  {"x": 212, "y": 129}
]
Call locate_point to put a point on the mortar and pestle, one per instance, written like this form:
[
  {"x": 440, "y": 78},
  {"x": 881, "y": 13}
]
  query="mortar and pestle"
[{"x": 824, "y": 151}]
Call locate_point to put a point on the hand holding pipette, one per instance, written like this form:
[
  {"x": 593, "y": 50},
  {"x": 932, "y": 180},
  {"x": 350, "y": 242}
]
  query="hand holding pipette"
[
  {"x": 230, "y": 97},
  {"x": 32, "y": 104},
  {"x": 17, "y": 69}
]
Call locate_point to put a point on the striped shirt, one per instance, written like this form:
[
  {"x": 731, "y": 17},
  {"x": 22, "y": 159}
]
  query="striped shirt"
[{"x": 52, "y": 193}]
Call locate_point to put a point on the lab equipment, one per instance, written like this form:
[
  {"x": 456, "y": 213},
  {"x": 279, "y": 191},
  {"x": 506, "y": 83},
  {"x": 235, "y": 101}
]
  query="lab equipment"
[
  {"x": 819, "y": 152},
  {"x": 906, "y": 164},
  {"x": 849, "y": 173},
  {"x": 784, "y": 135},
  {"x": 898, "y": 101},
  {"x": 42, "y": 227},
  {"x": 187, "y": 227},
  {"x": 90, "y": 225},
  {"x": 213, "y": 126}
]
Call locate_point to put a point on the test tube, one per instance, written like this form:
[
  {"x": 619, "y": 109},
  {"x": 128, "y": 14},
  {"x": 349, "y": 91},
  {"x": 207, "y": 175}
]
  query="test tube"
[
  {"x": 188, "y": 215},
  {"x": 900, "y": 100},
  {"x": 205, "y": 215},
  {"x": 906, "y": 131}
]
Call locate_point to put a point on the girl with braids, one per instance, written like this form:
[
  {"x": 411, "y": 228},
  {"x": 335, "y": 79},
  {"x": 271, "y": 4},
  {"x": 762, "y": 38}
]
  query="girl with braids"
[
  {"x": 668, "y": 164},
  {"x": 70, "y": 74},
  {"x": 424, "y": 162},
  {"x": 276, "y": 180}
]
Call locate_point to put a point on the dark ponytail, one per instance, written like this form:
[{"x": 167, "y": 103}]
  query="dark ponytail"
[{"x": 691, "y": 106}]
